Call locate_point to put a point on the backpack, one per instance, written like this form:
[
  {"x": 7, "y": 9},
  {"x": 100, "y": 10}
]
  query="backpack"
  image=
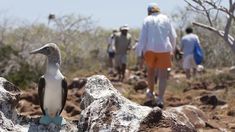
[{"x": 198, "y": 54}]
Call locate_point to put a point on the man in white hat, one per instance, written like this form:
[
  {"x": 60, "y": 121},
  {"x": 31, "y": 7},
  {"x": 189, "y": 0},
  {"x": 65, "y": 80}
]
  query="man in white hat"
[
  {"x": 157, "y": 43},
  {"x": 122, "y": 45}
]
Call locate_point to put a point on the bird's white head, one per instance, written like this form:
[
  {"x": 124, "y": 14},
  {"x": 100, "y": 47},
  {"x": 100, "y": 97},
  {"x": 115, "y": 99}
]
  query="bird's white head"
[{"x": 51, "y": 50}]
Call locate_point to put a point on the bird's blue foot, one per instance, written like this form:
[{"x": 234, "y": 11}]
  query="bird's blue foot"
[
  {"x": 59, "y": 120},
  {"x": 45, "y": 120}
]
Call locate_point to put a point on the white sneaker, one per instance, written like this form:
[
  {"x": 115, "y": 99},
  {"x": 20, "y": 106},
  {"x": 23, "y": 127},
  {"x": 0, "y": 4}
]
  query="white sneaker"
[{"x": 149, "y": 95}]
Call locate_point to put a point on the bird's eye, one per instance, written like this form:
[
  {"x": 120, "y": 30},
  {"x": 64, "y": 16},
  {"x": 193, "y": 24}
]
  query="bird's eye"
[{"x": 47, "y": 50}]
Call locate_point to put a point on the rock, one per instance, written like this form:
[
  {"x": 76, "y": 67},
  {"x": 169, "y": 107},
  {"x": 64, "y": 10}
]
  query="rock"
[
  {"x": 5, "y": 123},
  {"x": 211, "y": 100},
  {"x": 105, "y": 109},
  {"x": 214, "y": 125},
  {"x": 231, "y": 126},
  {"x": 30, "y": 96},
  {"x": 196, "y": 86},
  {"x": 141, "y": 74},
  {"x": 27, "y": 108},
  {"x": 72, "y": 109},
  {"x": 9, "y": 98},
  {"x": 11, "y": 121},
  {"x": 34, "y": 126},
  {"x": 151, "y": 103},
  {"x": 133, "y": 79},
  {"x": 231, "y": 113},
  {"x": 154, "y": 116},
  {"x": 232, "y": 70},
  {"x": 190, "y": 115},
  {"x": 141, "y": 85},
  {"x": 77, "y": 83},
  {"x": 220, "y": 86},
  {"x": 174, "y": 101},
  {"x": 134, "y": 68}
]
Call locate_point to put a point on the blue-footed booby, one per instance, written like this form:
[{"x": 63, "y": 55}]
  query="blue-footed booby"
[{"x": 52, "y": 86}]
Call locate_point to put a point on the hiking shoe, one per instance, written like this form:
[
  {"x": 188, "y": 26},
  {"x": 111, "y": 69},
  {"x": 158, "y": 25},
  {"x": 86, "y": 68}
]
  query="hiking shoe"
[
  {"x": 160, "y": 104},
  {"x": 149, "y": 95}
]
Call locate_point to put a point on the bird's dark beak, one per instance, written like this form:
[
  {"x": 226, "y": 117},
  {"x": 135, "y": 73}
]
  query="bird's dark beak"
[{"x": 39, "y": 50}]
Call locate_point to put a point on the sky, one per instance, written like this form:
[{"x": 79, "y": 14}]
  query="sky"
[{"x": 106, "y": 13}]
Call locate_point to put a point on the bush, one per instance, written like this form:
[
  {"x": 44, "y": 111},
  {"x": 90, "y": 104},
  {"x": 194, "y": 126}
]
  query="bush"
[{"x": 24, "y": 76}]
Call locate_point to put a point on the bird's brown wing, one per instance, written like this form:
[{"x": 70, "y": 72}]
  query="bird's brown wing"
[
  {"x": 41, "y": 90},
  {"x": 64, "y": 93}
]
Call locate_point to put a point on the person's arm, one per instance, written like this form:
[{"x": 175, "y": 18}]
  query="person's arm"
[
  {"x": 142, "y": 39},
  {"x": 198, "y": 41},
  {"x": 129, "y": 43},
  {"x": 134, "y": 46},
  {"x": 141, "y": 44},
  {"x": 115, "y": 41},
  {"x": 181, "y": 45},
  {"x": 109, "y": 43},
  {"x": 172, "y": 36}
]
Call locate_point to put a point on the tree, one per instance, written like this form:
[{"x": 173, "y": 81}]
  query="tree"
[
  {"x": 5, "y": 24},
  {"x": 72, "y": 32},
  {"x": 211, "y": 9}
]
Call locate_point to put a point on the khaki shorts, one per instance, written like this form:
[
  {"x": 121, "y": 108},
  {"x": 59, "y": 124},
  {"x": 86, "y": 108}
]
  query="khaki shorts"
[
  {"x": 120, "y": 59},
  {"x": 157, "y": 60}
]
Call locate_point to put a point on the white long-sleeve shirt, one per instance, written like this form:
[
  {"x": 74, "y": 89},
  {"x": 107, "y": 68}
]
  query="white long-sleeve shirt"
[{"x": 157, "y": 34}]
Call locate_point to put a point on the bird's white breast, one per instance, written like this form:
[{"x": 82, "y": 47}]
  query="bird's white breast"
[{"x": 53, "y": 93}]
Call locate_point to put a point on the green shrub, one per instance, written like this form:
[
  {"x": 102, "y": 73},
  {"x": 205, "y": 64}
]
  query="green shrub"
[
  {"x": 6, "y": 51},
  {"x": 24, "y": 76}
]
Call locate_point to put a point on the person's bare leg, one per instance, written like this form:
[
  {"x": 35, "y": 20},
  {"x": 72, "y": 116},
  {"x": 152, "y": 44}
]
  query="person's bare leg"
[
  {"x": 141, "y": 65},
  {"x": 111, "y": 64},
  {"x": 119, "y": 72},
  {"x": 123, "y": 70},
  {"x": 187, "y": 72},
  {"x": 162, "y": 83},
  {"x": 156, "y": 76},
  {"x": 151, "y": 78},
  {"x": 194, "y": 72}
]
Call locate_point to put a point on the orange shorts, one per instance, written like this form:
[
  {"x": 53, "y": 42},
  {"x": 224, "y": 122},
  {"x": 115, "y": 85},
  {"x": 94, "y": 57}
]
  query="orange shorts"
[{"x": 157, "y": 60}]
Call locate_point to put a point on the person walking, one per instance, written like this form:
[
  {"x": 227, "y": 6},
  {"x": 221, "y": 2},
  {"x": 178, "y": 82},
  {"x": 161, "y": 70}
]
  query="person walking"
[
  {"x": 111, "y": 50},
  {"x": 157, "y": 42},
  {"x": 122, "y": 45},
  {"x": 188, "y": 43},
  {"x": 139, "y": 59}
]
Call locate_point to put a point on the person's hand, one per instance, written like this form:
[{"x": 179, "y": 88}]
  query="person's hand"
[
  {"x": 172, "y": 55},
  {"x": 141, "y": 62}
]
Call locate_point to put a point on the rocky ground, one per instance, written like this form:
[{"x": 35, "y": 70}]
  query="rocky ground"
[{"x": 211, "y": 92}]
